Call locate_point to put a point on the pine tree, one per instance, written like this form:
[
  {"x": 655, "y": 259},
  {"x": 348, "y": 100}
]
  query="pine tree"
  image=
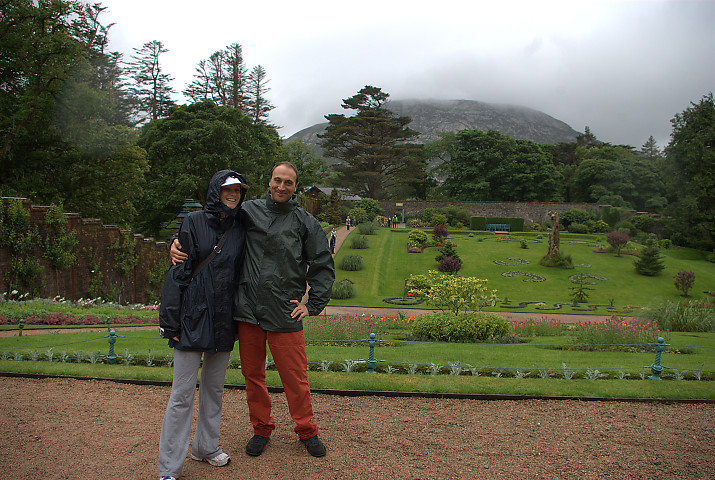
[
  {"x": 650, "y": 149},
  {"x": 258, "y": 104},
  {"x": 376, "y": 159},
  {"x": 650, "y": 261},
  {"x": 151, "y": 88}
]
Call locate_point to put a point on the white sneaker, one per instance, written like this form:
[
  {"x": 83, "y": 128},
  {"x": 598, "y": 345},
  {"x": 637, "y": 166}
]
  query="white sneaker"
[
  {"x": 218, "y": 461},
  {"x": 167, "y": 477}
]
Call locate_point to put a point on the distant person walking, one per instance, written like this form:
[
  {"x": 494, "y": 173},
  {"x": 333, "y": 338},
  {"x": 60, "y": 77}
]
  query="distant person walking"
[
  {"x": 347, "y": 222},
  {"x": 333, "y": 239}
]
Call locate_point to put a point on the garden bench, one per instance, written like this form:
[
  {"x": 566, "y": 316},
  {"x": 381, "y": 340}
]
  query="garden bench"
[{"x": 498, "y": 227}]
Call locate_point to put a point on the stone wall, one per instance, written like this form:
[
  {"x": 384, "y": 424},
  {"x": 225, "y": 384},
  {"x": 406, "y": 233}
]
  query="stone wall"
[
  {"x": 95, "y": 261},
  {"x": 529, "y": 211}
]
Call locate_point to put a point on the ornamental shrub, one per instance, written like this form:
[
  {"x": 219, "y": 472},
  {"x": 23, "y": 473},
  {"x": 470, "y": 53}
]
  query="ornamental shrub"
[
  {"x": 687, "y": 316},
  {"x": 417, "y": 237},
  {"x": 684, "y": 281},
  {"x": 617, "y": 240},
  {"x": 459, "y": 328},
  {"x": 439, "y": 232},
  {"x": 449, "y": 265},
  {"x": 447, "y": 250},
  {"x": 360, "y": 242},
  {"x": 343, "y": 289},
  {"x": 369, "y": 228},
  {"x": 352, "y": 263},
  {"x": 438, "y": 219},
  {"x": 453, "y": 293}
]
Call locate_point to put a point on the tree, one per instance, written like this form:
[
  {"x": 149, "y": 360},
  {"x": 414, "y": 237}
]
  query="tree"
[
  {"x": 376, "y": 160},
  {"x": 691, "y": 167},
  {"x": 312, "y": 170},
  {"x": 684, "y": 281},
  {"x": 185, "y": 149},
  {"x": 650, "y": 150},
  {"x": 258, "y": 105},
  {"x": 151, "y": 87},
  {"x": 64, "y": 112},
  {"x": 650, "y": 261},
  {"x": 222, "y": 78},
  {"x": 493, "y": 166},
  {"x": 617, "y": 240}
]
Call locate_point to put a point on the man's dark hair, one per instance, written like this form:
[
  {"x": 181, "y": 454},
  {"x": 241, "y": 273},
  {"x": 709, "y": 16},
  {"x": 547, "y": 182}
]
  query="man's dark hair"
[{"x": 287, "y": 164}]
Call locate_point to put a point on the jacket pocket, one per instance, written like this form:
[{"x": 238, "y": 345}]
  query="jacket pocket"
[{"x": 197, "y": 329}]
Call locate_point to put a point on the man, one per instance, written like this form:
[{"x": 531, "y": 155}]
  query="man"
[{"x": 286, "y": 250}]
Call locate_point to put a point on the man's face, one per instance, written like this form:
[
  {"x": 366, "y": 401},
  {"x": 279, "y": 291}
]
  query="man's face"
[{"x": 282, "y": 184}]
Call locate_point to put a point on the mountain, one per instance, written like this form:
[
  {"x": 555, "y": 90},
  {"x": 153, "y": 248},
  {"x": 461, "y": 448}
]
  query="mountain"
[{"x": 432, "y": 117}]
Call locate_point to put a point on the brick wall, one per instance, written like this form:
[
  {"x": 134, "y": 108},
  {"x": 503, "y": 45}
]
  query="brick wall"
[
  {"x": 94, "y": 240},
  {"x": 529, "y": 211}
]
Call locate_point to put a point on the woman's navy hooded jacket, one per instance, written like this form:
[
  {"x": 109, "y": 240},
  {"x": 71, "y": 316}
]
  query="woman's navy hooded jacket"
[{"x": 200, "y": 311}]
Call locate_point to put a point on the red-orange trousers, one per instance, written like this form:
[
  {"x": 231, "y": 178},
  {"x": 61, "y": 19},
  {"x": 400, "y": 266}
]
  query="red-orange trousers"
[{"x": 288, "y": 350}]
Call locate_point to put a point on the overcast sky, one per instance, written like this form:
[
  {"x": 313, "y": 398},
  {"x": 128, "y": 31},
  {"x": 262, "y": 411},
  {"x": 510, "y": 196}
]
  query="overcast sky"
[{"x": 622, "y": 68}]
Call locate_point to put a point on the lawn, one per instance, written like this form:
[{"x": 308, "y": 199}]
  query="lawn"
[
  {"x": 533, "y": 367},
  {"x": 388, "y": 264}
]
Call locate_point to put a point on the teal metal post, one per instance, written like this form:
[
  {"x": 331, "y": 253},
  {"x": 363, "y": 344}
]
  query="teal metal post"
[
  {"x": 112, "y": 358},
  {"x": 371, "y": 358},
  {"x": 656, "y": 367}
]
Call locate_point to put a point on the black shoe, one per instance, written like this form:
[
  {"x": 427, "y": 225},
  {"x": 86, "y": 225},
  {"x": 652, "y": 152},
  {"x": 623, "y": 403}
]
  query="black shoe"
[
  {"x": 314, "y": 446},
  {"x": 256, "y": 445}
]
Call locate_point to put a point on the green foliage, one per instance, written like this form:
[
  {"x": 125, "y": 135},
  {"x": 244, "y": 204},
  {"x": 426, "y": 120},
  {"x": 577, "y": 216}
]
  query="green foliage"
[
  {"x": 491, "y": 165},
  {"x": 19, "y": 237},
  {"x": 650, "y": 261},
  {"x": 312, "y": 170},
  {"x": 418, "y": 285},
  {"x": 438, "y": 219},
  {"x": 125, "y": 257},
  {"x": 576, "y": 215},
  {"x": 359, "y": 242},
  {"x": 187, "y": 147},
  {"x": 376, "y": 160},
  {"x": 463, "y": 328},
  {"x": 690, "y": 170},
  {"x": 616, "y": 334},
  {"x": 369, "y": 228},
  {"x": 611, "y": 215},
  {"x": 478, "y": 223},
  {"x": 351, "y": 263},
  {"x": 60, "y": 241},
  {"x": 370, "y": 206},
  {"x": 563, "y": 261},
  {"x": 417, "y": 237},
  {"x": 343, "y": 289},
  {"x": 415, "y": 223},
  {"x": 447, "y": 250},
  {"x": 681, "y": 316},
  {"x": 453, "y": 293},
  {"x": 579, "y": 293},
  {"x": 156, "y": 277}
]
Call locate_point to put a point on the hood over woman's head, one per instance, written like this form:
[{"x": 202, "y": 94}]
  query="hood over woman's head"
[{"x": 213, "y": 195}]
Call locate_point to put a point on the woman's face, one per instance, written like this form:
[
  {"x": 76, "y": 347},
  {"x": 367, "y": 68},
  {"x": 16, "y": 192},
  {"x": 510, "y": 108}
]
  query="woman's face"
[{"x": 231, "y": 195}]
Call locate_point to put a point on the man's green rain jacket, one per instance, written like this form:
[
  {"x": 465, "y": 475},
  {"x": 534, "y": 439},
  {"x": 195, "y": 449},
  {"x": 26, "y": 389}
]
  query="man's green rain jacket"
[{"x": 285, "y": 248}]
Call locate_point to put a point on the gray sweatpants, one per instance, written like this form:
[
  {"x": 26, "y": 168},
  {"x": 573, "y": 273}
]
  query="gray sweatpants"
[{"x": 174, "y": 441}]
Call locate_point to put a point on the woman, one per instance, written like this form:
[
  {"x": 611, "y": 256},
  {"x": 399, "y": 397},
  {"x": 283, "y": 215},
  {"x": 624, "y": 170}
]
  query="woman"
[{"x": 196, "y": 315}]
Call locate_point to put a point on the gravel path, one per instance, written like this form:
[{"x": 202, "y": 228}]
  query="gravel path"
[{"x": 79, "y": 429}]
